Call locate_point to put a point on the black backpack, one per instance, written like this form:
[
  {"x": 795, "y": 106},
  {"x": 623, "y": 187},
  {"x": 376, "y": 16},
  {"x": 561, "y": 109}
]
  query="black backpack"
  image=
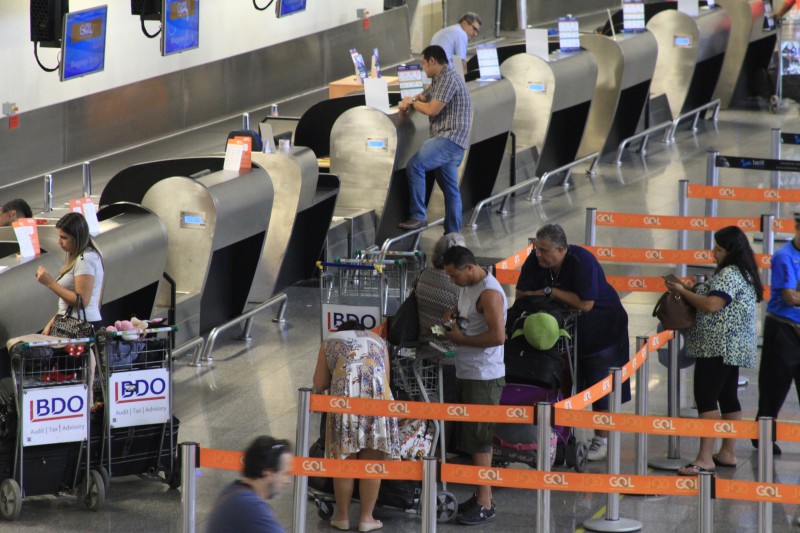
[{"x": 528, "y": 305}]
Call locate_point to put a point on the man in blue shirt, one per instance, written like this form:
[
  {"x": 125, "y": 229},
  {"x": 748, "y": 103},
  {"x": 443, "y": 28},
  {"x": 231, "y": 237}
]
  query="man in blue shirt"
[
  {"x": 573, "y": 276},
  {"x": 449, "y": 109},
  {"x": 453, "y": 39},
  {"x": 780, "y": 351},
  {"x": 242, "y": 506}
]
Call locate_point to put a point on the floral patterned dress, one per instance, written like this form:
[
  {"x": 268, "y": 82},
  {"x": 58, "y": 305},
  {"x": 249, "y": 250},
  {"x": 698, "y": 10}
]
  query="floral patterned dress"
[{"x": 356, "y": 362}]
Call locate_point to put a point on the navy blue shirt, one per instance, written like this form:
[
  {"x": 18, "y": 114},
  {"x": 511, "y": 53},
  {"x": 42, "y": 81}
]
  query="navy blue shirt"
[
  {"x": 240, "y": 510},
  {"x": 607, "y": 323}
]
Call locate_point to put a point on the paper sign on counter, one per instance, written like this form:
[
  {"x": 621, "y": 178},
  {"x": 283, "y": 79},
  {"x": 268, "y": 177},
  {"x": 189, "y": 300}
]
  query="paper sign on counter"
[
  {"x": 27, "y": 236},
  {"x": 86, "y": 207}
]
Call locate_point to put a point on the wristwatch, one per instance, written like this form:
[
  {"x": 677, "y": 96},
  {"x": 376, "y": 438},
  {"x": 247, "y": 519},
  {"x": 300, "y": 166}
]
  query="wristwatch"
[
  {"x": 548, "y": 291},
  {"x": 413, "y": 101}
]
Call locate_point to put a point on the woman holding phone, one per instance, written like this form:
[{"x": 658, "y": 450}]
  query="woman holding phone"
[{"x": 722, "y": 339}]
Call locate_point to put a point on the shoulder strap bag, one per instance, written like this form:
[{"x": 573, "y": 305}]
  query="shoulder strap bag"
[{"x": 69, "y": 327}]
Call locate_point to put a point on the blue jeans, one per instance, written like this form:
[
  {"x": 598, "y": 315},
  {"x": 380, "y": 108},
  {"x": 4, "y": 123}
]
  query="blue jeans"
[{"x": 444, "y": 156}]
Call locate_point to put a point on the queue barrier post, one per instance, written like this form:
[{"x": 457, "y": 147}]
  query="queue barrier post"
[
  {"x": 768, "y": 248},
  {"x": 188, "y": 485},
  {"x": 86, "y": 172},
  {"x": 612, "y": 521},
  {"x": 429, "y": 494},
  {"x": 48, "y": 193},
  {"x": 775, "y": 175},
  {"x": 301, "y": 450},
  {"x": 642, "y": 377},
  {"x": 705, "y": 493},
  {"x": 673, "y": 459},
  {"x": 766, "y": 436},
  {"x": 543, "y": 427},
  {"x": 712, "y": 179},
  {"x": 683, "y": 235},
  {"x": 245, "y": 121},
  {"x": 590, "y": 233}
]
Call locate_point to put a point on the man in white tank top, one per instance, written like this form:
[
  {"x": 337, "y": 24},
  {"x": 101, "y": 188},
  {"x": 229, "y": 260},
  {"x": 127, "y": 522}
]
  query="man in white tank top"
[{"x": 478, "y": 331}]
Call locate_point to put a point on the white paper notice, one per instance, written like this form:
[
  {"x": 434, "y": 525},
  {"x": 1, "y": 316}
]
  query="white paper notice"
[
  {"x": 410, "y": 79},
  {"x": 376, "y": 93},
  {"x": 536, "y": 42},
  {"x": 86, "y": 207},
  {"x": 233, "y": 156},
  {"x": 27, "y": 235},
  {"x": 690, "y": 7},
  {"x": 488, "y": 64}
]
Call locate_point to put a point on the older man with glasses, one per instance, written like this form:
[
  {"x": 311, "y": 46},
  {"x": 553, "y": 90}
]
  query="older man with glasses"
[{"x": 453, "y": 39}]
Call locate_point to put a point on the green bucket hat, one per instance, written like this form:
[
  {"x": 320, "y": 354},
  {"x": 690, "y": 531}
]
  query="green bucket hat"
[{"x": 541, "y": 331}]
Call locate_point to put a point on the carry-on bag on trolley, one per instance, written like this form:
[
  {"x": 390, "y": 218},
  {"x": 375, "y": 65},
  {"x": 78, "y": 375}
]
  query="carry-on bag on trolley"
[
  {"x": 46, "y": 451},
  {"x": 139, "y": 431}
]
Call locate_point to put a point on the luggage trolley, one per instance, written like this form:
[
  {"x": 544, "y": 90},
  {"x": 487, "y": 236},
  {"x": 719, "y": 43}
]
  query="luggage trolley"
[
  {"x": 50, "y": 384},
  {"x": 363, "y": 290},
  {"x": 139, "y": 434},
  {"x": 414, "y": 261}
]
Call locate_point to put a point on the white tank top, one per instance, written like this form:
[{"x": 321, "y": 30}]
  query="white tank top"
[{"x": 478, "y": 363}]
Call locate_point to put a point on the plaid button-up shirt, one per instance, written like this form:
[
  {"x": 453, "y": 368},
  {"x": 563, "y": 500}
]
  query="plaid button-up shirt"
[{"x": 453, "y": 121}]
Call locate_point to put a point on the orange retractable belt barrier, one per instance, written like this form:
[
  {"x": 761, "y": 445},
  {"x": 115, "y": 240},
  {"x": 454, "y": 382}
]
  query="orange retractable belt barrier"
[
  {"x": 651, "y": 255},
  {"x": 221, "y": 459},
  {"x": 357, "y": 469},
  {"x": 518, "y": 414},
  {"x": 633, "y": 220},
  {"x": 787, "y": 431},
  {"x": 506, "y": 272},
  {"x": 731, "y": 489},
  {"x": 744, "y": 194}
]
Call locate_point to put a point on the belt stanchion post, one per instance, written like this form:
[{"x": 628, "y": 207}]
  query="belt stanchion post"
[
  {"x": 188, "y": 484},
  {"x": 301, "y": 450},
  {"x": 641, "y": 408},
  {"x": 48, "y": 193},
  {"x": 245, "y": 121},
  {"x": 590, "y": 234},
  {"x": 775, "y": 175},
  {"x": 766, "y": 436},
  {"x": 543, "y": 436},
  {"x": 429, "y": 494},
  {"x": 673, "y": 459},
  {"x": 712, "y": 179},
  {"x": 705, "y": 508},
  {"x": 87, "y": 178},
  {"x": 683, "y": 235},
  {"x": 768, "y": 248},
  {"x": 612, "y": 521}
]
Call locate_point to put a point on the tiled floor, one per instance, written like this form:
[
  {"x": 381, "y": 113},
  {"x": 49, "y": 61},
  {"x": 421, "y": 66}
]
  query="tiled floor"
[{"x": 251, "y": 387}]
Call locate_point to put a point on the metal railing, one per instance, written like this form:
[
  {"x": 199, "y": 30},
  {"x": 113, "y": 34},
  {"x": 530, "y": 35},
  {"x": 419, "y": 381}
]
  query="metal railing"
[
  {"x": 666, "y": 125},
  {"x": 418, "y": 232},
  {"x": 536, "y": 194},
  {"x": 696, "y": 114},
  {"x": 247, "y": 318}
]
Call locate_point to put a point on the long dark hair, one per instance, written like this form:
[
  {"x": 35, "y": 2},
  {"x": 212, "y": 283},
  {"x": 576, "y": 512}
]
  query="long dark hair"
[
  {"x": 739, "y": 254},
  {"x": 74, "y": 225}
]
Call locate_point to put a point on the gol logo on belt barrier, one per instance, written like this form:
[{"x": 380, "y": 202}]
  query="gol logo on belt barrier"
[
  {"x": 620, "y": 482},
  {"x": 767, "y": 491},
  {"x": 398, "y": 407},
  {"x": 724, "y": 427},
  {"x": 457, "y": 410},
  {"x": 516, "y": 412},
  {"x": 682, "y": 483},
  {"x": 340, "y": 403},
  {"x": 663, "y": 424},
  {"x": 555, "y": 479},
  {"x": 312, "y": 465},
  {"x": 489, "y": 474},
  {"x": 375, "y": 468},
  {"x": 603, "y": 420}
]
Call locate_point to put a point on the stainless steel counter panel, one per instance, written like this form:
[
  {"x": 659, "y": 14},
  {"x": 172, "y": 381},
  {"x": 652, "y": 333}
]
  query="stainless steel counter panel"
[
  {"x": 28, "y": 304},
  {"x": 624, "y": 61},
  {"x": 676, "y": 65},
  {"x": 747, "y": 26},
  {"x": 366, "y": 172},
  {"x": 493, "y": 104},
  {"x": 567, "y": 79},
  {"x": 294, "y": 180}
]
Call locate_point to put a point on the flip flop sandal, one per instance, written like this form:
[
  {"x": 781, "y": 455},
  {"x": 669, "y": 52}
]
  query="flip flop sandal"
[{"x": 692, "y": 470}]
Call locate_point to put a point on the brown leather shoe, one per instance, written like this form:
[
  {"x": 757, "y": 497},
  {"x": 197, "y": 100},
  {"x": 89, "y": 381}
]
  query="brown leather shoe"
[{"x": 412, "y": 223}]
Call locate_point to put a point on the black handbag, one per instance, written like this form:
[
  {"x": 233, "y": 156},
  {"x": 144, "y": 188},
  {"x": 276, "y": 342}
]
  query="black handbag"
[
  {"x": 404, "y": 326},
  {"x": 67, "y": 326}
]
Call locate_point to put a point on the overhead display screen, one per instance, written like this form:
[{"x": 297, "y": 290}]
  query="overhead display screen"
[
  {"x": 83, "y": 44},
  {"x": 180, "y": 26},
  {"x": 289, "y": 7}
]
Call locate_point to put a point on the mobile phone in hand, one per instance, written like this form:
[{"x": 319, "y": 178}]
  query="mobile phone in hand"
[{"x": 672, "y": 278}]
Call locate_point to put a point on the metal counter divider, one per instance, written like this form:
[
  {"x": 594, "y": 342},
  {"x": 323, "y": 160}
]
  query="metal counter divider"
[
  {"x": 553, "y": 101},
  {"x": 370, "y": 150},
  {"x": 216, "y": 222},
  {"x": 626, "y": 63},
  {"x": 691, "y": 52},
  {"x": 748, "y": 54},
  {"x": 303, "y": 206}
]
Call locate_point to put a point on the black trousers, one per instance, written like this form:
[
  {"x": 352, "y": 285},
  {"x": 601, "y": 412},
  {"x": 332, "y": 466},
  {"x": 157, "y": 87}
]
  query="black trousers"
[{"x": 780, "y": 365}]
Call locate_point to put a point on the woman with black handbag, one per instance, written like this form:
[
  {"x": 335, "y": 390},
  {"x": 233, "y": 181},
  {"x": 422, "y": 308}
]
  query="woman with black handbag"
[{"x": 80, "y": 280}]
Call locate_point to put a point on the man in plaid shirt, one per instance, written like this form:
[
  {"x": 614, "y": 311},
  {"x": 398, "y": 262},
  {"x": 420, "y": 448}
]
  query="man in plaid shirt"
[{"x": 449, "y": 107}]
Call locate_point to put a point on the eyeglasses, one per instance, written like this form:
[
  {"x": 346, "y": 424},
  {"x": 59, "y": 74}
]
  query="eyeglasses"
[{"x": 476, "y": 30}]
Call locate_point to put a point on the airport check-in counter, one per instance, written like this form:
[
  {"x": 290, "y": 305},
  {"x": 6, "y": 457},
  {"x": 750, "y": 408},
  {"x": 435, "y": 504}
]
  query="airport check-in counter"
[
  {"x": 553, "y": 101},
  {"x": 216, "y": 222},
  {"x": 370, "y": 150},
  {"x": 748, "y": 55},
  {"x": 691, "y": 52},
  {"x": 301, "y": 214},
  {"x": 626, "y": 63}
]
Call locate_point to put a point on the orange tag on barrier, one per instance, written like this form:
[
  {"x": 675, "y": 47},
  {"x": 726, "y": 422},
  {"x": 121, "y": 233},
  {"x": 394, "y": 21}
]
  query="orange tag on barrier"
[
  {"x": 221, "y": 459},
  {"x": 517, "y": 414},
  {"x": 357, "y": 469}
]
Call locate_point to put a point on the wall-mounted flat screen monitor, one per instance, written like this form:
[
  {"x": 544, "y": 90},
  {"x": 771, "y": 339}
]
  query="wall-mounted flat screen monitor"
[
  {"x": 83, "y": 44},
  {"x": 284, "y": 8},
  {"x": 180, "y": 26}
]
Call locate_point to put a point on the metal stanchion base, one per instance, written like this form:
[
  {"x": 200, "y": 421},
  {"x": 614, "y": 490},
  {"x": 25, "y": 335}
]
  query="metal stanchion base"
[
  {"x": 623, "y": 524},
  {"x": 665, "y": 463}
]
